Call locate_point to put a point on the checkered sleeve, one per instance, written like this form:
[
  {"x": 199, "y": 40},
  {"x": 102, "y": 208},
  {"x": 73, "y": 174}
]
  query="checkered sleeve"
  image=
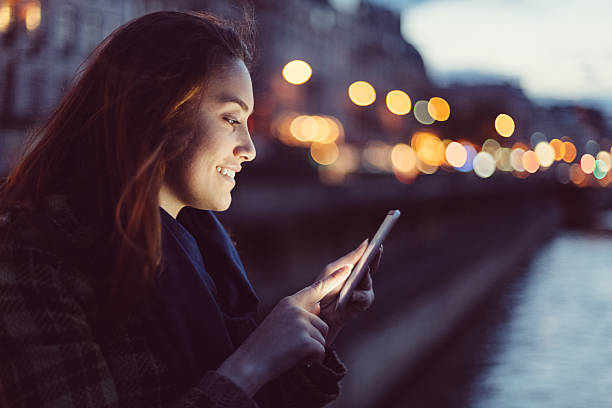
[
  {"x": 48, "y": 355},
  {"x": 317, "y": 385},
  {"x": 49, "y": 358}
]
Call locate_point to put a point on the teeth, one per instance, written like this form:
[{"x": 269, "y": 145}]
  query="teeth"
[{"x": 226, "y": 172}]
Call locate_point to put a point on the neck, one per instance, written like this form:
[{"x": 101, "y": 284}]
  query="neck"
[{"x": 169, "y": 202}]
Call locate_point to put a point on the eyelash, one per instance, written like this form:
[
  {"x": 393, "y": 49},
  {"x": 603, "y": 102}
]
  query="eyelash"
[{"x": 232, "y": 122}]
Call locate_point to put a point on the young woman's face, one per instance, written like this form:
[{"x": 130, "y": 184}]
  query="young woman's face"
[{"x": 203, "y": 177}]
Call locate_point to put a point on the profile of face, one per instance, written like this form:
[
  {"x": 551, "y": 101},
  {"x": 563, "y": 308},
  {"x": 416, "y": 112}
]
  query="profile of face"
[{"x": 203, "y": 176}]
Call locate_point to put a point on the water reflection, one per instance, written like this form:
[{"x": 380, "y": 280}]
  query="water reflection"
[{"x": 555, "y": 348}]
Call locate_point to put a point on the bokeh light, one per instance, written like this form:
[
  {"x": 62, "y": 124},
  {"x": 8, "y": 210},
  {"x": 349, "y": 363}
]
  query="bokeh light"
[
  {"x": 469, "y": 163},
  {"x": 324, "y": 154},
  {"x": 456, "y": 155},
  {"x": 281, "y": 127},
  {"x": 536, "y": 138},
  {"x": 491, "y": 146},
  {"x": 576, "y": 174},
  {"x": 504, "y": 124},
  {"x": 531, "y": 162},
  {"x": 347, "y": 162},
  {"x": 362, "y": 93},
  {"x": 5, "y": 17},
  {"x": 32, "y": 16},
  {"x": 377, "y": 155},
  {"x": 587, "y": 163},
  {"x": 545, "y": 153},
  {"x": 403, "y": 158},
  {"x": 559, "y": 148},
  {"x": 484, "y": 165},
  {"x": 306, "y": 129},
  {"x": 421, "y": 113},
  {"x": 563, "y": 172},
  {"x": 516, "y": 159},
  {"x": 398, "y": 102},
  {"x": 592, "y": 147},
  {"x": 426, "y": 168},
  {"x": 297, "y": 72},
  {"x": 429, "y": 148},
  {"x": 502, "y": 159},
  {"x": 570, "y": 152},
  {"x": 296, "y": 128},
  {"x": 605, "y": 157},
  {"x": 438, "y": 109},
  {"x": 601, "y": 169}
]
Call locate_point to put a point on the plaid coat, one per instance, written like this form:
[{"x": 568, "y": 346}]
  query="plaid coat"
[{"x": 51, "y": 357}]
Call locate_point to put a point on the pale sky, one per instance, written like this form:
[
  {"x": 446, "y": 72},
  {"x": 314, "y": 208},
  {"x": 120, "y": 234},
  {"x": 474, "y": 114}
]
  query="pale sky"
[{"x": 558, "y": 49}]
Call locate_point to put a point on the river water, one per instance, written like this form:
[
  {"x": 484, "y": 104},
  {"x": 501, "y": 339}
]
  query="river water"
[
  {"x": 555, "y": 347},
  {"x": 545, "y": 340}
]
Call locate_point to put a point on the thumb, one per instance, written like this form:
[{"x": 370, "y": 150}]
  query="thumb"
[{"x": 317, "y": 291}]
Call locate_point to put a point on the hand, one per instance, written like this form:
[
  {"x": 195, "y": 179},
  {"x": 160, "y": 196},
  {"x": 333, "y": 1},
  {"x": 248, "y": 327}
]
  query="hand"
[
  {"x": 292, "y": 332},
  {"x": 361, "y": 298}
]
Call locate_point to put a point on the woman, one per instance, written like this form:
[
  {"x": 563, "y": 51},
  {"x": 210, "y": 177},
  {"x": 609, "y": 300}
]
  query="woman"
[{"x": 118, "y": 285}]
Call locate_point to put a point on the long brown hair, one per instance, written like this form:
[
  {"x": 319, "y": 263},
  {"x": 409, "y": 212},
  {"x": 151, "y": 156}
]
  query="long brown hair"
[{"x": 130, "y": 112}]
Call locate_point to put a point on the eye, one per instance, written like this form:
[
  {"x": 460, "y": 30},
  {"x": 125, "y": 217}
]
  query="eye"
[{"x": 232, "y": 122}]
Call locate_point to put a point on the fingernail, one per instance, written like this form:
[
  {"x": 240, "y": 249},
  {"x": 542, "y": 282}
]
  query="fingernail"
[{"x": 365, "y": 241}]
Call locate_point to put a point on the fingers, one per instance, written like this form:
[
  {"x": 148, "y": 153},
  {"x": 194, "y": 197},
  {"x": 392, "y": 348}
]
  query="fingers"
[
  {"x": 350, "y": 258},
  {"x": 366, "y": 281},
  {"x": 317, "y": 291},
  {"x": 321, "y": 328},
  {"x": 361, "y": 300}
]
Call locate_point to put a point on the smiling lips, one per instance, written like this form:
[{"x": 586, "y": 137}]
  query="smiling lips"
[{"x": 227, "y": 174}]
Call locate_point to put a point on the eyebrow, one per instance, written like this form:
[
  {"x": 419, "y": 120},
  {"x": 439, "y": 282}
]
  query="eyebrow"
[{"x": 226, "y": 98}]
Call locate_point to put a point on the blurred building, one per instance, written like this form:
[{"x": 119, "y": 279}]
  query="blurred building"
[
  {"x": 44, "y": 42},
  {"x": 341, "y": 48}
]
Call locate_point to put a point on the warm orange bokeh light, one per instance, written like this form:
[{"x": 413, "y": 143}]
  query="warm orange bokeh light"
[
  {"x": 504, "y": 125},
  {"x": 587, "y": 163},
  {"x": 6, "y": 14},
  {"x": 559, "y": 148},
  {"x": 362, "y": 93},
  {"x": 429, "y": 148},
  {"x": 438, "y": 109},
  {"x": 32, "y": 16},
  {"x": 403, "y": 158},
  {"x": 324, "y": 154},
  {"x": 576, "y": 174},
  {"x": 398, "y": 102},
  {"x": 297, "y": 72},
  {"x": 570, "y": 152},
  {"x": 531, "y": 162}
]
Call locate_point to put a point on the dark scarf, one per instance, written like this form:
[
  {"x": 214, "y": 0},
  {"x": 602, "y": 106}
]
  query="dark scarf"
[{"x": 205, "y": 304}]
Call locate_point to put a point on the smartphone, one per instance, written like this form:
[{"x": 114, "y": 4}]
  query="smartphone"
[{"x": 362, "y": 266}]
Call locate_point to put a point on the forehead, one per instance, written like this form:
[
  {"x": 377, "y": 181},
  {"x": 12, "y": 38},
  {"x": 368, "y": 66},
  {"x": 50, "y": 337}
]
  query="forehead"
[{"x": 232, "y": 81}]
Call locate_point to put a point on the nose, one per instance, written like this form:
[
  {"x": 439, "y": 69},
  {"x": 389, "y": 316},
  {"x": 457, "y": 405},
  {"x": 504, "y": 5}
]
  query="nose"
[{"x": 245, "y": 148}]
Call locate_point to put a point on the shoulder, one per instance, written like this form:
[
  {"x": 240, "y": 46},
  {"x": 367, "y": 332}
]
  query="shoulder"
[
  {"x": 48, "y": 227},
  {"x": 38, "y": 244}
]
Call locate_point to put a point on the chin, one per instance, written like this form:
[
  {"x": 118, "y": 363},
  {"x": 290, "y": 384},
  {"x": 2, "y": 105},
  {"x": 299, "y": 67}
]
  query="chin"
[
  {"x": 219, "y": 205},
  {"x": 222, "y": 206}
]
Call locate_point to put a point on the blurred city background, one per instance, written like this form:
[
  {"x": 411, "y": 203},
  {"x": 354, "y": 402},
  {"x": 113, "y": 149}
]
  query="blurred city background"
[{"x": 487, "y": 123}]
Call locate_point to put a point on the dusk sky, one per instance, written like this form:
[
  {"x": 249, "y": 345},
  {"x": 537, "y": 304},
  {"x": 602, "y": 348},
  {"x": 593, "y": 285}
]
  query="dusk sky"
[{"x": 552, "y": 49}]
